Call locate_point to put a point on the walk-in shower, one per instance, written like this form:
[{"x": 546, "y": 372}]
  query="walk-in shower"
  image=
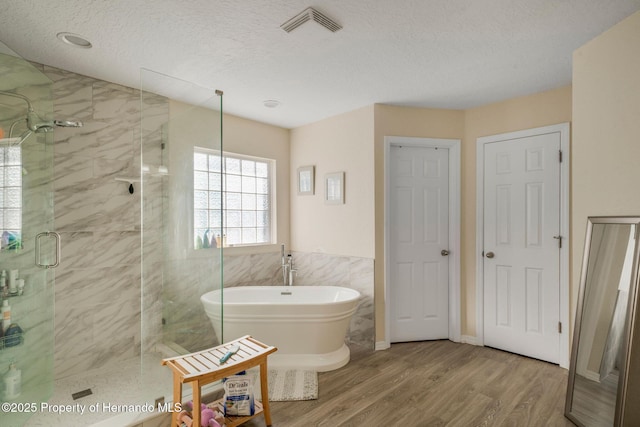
[
  {"x": 33, "y": 122},
  {"x": 109, "y": 333}
]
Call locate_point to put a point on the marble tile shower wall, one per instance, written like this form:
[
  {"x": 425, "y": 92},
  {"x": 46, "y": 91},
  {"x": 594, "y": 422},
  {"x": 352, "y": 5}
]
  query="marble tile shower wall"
[
  {"x": 97, "y": 296},
  {"x": 313, "y": 269}
]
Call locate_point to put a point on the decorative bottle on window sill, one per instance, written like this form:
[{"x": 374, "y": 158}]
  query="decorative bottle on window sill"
[
  {"x": 221, "y": 242},
  {"x": 205, "y": 240}
]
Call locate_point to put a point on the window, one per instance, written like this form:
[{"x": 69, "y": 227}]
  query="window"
[
  {"x": 10, "y": 197},
  {"x": 242, "y": 186}
]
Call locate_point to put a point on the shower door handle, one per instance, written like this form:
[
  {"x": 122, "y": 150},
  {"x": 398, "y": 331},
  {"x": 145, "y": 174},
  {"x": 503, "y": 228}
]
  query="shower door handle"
[{"x": 56, "y": 236}]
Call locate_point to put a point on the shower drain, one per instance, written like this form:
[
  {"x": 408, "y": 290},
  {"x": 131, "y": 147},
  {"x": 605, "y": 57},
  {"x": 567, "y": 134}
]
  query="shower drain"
[
  {"x": 84, "y": 393},
  {"x": 159, "y": 402}
]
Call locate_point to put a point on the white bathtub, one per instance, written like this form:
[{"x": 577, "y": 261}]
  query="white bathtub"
[{"x": 307, "y": 324}]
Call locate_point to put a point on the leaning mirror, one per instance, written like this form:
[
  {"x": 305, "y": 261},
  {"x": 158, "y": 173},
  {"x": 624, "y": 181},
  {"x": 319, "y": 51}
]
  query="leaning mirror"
[{"x": 597, "y": 385}]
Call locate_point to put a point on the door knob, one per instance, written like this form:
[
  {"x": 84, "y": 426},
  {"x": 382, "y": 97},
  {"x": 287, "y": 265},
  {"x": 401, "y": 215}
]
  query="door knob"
[
  {"x": 444, "y": 252},
  {"x": 490, "y": 255}
]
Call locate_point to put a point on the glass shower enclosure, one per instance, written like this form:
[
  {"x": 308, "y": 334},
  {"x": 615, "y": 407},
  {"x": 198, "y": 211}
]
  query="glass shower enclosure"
[
  {"x": 181, "y": 259},
  {"x": 26, "y": 239}
]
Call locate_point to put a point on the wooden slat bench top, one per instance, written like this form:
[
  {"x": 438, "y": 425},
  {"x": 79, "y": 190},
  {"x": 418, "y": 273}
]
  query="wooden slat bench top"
[{"x": 204, "y": 367}]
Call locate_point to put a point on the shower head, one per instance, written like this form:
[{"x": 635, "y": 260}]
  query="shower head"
[
  {"x": 38, "y": 125},
  {"x": 35, "y": 123},
  {"x": 68, "y": 123}
]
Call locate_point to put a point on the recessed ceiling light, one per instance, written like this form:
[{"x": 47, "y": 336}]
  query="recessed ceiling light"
[
  {"x": 75, "y": 40},
  {"x": 271, "y": 103}
]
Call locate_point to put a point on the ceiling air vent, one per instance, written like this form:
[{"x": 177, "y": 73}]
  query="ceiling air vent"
[{"x": 307, "y": 15}]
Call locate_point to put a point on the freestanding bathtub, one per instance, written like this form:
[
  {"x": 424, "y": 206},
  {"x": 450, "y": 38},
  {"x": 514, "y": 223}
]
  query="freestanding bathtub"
[{"x": 307, "y": 324}]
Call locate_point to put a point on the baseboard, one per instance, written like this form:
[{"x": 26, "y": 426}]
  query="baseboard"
[
  {"x": 468, "y": 339},
  {"x": 590, "y": 375},
  {"x": 382, "y": 345},
  {"x": 465, "y": 339}
]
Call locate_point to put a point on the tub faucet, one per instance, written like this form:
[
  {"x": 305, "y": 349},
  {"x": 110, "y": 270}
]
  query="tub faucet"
[
  {"x": 292, "y": 271},
  {"x": 284, "y": 266}
]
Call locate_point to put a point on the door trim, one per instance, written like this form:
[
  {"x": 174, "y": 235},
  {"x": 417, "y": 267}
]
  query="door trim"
[
  {"x": 563, "y": 129},
  {"x": 453, "y": 145}
]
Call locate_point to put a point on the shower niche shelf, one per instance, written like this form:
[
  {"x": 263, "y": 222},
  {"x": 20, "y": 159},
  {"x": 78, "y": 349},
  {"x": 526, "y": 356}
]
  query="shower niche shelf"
[{"x": 128, "y": 180}]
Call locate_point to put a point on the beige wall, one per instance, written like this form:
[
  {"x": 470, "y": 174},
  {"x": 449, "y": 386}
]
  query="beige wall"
[
  {"x": 252, "y": 138},
  {"x": 542, "y": 109},
  {"x": 606, "y": 144},
  {"x": 606, "y": 130},
  {"x": 339, "y": 143}
]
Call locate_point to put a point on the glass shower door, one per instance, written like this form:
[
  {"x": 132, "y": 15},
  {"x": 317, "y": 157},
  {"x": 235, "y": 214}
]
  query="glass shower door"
[
  {"x": 26, "y": 237},
  {"x": 180, "y": 220}
]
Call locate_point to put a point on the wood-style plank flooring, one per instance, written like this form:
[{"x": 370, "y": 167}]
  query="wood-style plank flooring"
[{"x": 434, "y": 383}]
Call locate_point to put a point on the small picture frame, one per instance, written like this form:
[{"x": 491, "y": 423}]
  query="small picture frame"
[
  {"x": 306, "y": 181},
  {"x": 334, "y": 188}
]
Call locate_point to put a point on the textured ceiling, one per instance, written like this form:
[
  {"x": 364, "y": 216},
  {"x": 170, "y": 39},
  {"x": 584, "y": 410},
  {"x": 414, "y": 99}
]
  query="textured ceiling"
[{"x": 429, "y": 53}]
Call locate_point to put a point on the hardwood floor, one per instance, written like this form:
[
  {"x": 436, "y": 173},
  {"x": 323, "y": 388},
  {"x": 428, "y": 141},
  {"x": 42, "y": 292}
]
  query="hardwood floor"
[
  {"x": 595, "y": 403},
  {"x": 434, "y": 383}
]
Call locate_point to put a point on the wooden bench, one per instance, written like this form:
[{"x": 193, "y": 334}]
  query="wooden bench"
[{"x": 204, "y": 367}]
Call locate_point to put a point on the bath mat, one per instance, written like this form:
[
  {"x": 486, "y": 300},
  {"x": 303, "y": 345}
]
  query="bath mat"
[{"x": 288, "y": 385}]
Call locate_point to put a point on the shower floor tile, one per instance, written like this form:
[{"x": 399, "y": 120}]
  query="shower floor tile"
[{"x": 112, "y": 389}]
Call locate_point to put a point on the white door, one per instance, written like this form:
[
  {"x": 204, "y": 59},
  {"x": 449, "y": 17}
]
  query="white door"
[
  {"x": 419, "y": 233},
  {"x": 521, "y": 245}
]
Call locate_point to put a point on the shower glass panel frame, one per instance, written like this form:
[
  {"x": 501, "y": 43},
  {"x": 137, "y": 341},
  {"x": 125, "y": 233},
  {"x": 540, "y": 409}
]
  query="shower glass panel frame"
[
  {"x": 174, "y": 272},
  {"x": 32, "y": 202}
]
